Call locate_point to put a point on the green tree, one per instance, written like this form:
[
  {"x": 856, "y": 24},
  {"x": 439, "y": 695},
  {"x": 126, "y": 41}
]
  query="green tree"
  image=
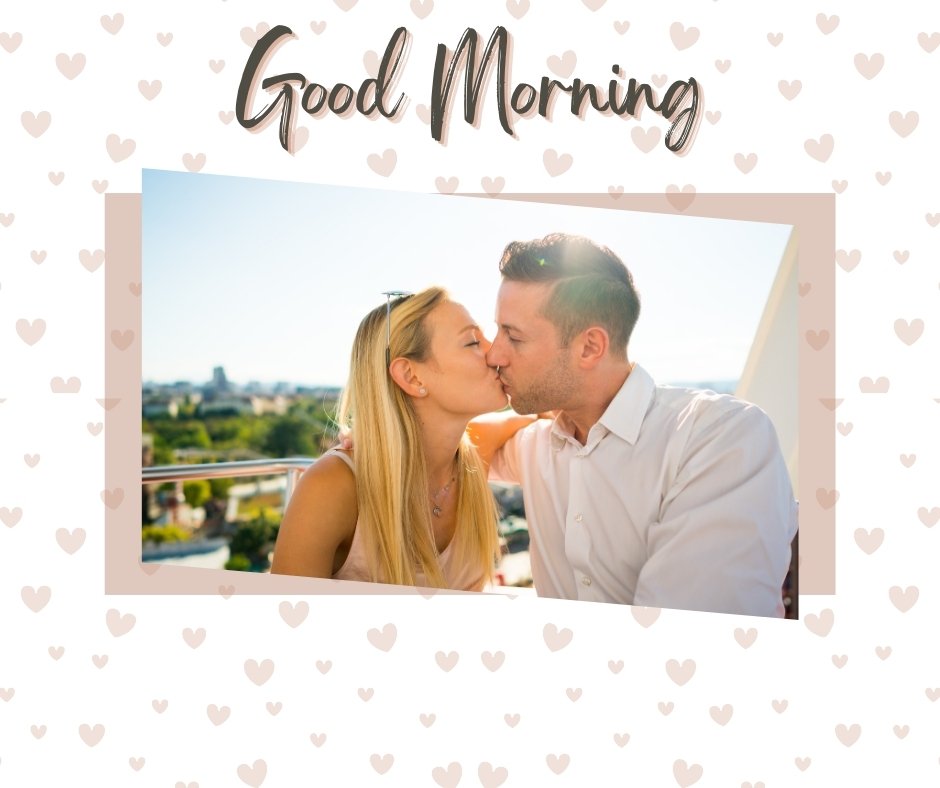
[
  {"x": 255, "y": 538},
  {"x": 219, "y": 487},
  {"x": 181, "y": 435},
  {"x": 196, "y": 492},
  {"x": 291, "y": 436}
]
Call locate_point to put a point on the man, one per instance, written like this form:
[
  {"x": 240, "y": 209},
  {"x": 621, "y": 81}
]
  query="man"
[{"x": 636, "y": 493}]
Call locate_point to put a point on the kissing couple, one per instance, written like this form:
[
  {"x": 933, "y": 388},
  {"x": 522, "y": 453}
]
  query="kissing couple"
[{"x": 634, "y": 493}]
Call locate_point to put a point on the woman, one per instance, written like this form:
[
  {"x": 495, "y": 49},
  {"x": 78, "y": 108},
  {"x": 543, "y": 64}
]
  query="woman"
[{"x": 410, "y": 505}]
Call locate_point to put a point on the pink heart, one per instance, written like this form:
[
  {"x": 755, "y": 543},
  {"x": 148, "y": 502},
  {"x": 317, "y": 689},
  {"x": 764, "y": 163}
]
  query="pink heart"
[
  {"x": 150, "y": 90},
  {"x": 11, "y": 41},
  {"x": 491, "y": 777},
  {"x": 218, "y": 715},
  {"x": 721, "y": 715},
  {"x": 385, "y": 639},
  {"x": 848, "y": 735},
  {"x": 119, "y": 624},
  {"x": 680, "y": 674},
  {"x": 869, "y": 67},
  {"x": 382, "y": 763},
  {"x": 518, "y": 8},
  {"x": 817, "y": 340},
  {"x": 686, "y": 775},
  {"x": 903, "y": 124},
  {"x": 251, "y": 35},
  {"x": 194, "y": 638},
  {"x": 556, "y": 639},
  {"x": 119, "y": 149},
  {"x": 72, "y": 66},
  {"x": 36, "y": 125},
  {"x": 421, "y": 8},
  {"x": 645, "y": 139},
  {"x": 683, "y": 38},
  {"x": 259, "y": 673},
  {"x": 493, "y": 662},
  {"x": 61, "y": 386},
  {"x": 745, "y": 163},
  {"x": 11, "y": 517},
  {"x": 194, "y": 163},
  {"x": 820, "y": 624},
  {"x": 112, "y": 24},
  {"x": 869, "y": 541},
  {"x": 294, "y": 615},
  {"x": 91, "y": 735},
  {"x": 820, "y": 149},
  {"x": 446, "y": 185},
  {"x": 112, "y": 498},
  {"x": 827, "y": 23},
  {"x": 558, "y": 763},
  {"x": 253, "y": 775},
  {"x": 564, "y": 65},
  {"x": 70, "y": 541},
  {"x": 493, "y": 186},
  {"x": 680, "y": 199},
  {"x": 383, "y": 165}
]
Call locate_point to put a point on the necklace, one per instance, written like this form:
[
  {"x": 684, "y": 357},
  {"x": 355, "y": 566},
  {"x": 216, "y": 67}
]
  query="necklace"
[{"x": 440, "y": 496}]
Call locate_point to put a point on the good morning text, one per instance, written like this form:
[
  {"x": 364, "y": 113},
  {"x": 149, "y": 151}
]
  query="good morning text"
[{"x": 293, "y": 90}]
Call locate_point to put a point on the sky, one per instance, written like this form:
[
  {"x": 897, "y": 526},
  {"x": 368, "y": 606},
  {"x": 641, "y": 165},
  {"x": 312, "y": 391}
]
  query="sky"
[{"x": 270, "y": 279}]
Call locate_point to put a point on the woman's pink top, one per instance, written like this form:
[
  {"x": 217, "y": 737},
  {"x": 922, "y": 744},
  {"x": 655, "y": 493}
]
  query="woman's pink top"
[{"x": 356, "y": 566}]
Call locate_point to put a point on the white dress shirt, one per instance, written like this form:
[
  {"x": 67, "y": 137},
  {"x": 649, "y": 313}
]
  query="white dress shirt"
[{"x": 678, "y": 499}]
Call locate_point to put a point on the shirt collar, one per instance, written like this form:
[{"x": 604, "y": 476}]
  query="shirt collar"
[{"x": 623, "y": 417}]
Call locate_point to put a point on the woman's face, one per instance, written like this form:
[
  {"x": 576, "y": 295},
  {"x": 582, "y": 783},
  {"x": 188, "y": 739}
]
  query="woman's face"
[{"x": 456, "y": 375}]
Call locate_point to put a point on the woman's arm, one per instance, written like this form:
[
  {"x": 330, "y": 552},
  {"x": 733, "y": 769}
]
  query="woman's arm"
[
  {"x": 491, "y": 430},
  {"x": 320, "y": 518}
]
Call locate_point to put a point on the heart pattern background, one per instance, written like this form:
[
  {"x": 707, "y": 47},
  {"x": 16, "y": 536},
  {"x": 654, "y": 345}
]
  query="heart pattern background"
[{"x": 436, "y": 690}]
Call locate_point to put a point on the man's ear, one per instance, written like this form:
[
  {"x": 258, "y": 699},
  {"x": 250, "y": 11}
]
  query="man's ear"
[
  {"x": 592, "y": 346},
  {"x": 406, "y": 376}
]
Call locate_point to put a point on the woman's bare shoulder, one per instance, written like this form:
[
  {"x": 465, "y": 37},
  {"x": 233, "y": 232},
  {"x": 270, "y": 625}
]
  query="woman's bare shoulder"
[
  {"x": 329, "y": 474},
  {"x": 320, "y": 518}
]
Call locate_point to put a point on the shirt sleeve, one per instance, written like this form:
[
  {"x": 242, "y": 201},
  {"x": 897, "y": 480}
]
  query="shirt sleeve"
[{"x": 722, "y": 542}]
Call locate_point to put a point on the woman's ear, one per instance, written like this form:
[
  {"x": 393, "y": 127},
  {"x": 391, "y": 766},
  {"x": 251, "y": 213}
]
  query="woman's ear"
[{"x": 403, "y": 372}]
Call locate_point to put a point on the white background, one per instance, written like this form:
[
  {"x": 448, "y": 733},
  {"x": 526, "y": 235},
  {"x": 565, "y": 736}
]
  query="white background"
[{"x": 847, "y": 696}]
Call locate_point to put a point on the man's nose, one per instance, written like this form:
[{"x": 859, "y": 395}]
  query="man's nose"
[{"x": 493, "y": 355}]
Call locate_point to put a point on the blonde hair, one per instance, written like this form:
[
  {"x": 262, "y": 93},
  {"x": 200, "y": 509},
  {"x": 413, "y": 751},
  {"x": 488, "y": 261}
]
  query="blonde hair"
[{"x": 391, "y": 471}]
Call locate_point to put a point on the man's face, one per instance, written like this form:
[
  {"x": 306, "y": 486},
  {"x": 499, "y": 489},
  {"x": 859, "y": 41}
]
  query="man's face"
[{"x": 537, "y": 373}]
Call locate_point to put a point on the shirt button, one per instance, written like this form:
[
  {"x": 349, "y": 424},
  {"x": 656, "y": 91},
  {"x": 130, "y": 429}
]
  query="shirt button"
[
  {"x": 578, "y": 518},
  {"x": 586, "y": 581}
]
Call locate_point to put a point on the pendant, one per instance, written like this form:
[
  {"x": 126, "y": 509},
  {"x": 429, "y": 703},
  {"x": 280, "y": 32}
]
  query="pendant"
[{"x": 436, "y": 511}]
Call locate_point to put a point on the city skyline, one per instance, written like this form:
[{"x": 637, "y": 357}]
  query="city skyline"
[{"x": 270, "y": 279}]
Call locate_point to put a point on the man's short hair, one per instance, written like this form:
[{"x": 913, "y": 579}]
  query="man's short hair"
[{"x": 592, "y": 286}]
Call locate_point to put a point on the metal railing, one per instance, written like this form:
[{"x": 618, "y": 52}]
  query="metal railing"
[{"x": 291, "y": 467}]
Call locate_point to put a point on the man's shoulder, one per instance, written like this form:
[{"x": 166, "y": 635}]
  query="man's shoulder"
[{"x": 699, "y": 409}]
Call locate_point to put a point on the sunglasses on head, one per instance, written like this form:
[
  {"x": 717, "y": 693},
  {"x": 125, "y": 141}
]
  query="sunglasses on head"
[{"x": 398, "y": 295}]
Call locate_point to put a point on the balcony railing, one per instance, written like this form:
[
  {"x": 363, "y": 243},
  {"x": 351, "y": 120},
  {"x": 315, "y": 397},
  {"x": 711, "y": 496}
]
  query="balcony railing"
[{"x": 291, "y": 467}]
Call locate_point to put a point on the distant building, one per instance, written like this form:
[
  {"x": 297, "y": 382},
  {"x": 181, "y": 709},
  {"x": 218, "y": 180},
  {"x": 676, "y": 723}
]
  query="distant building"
[
  {"x": 162, "y": 408},
  {"x": 243, "y": 405},
  {"x": 219, "y": 381},
  {"x": 226, "y": 406}
]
